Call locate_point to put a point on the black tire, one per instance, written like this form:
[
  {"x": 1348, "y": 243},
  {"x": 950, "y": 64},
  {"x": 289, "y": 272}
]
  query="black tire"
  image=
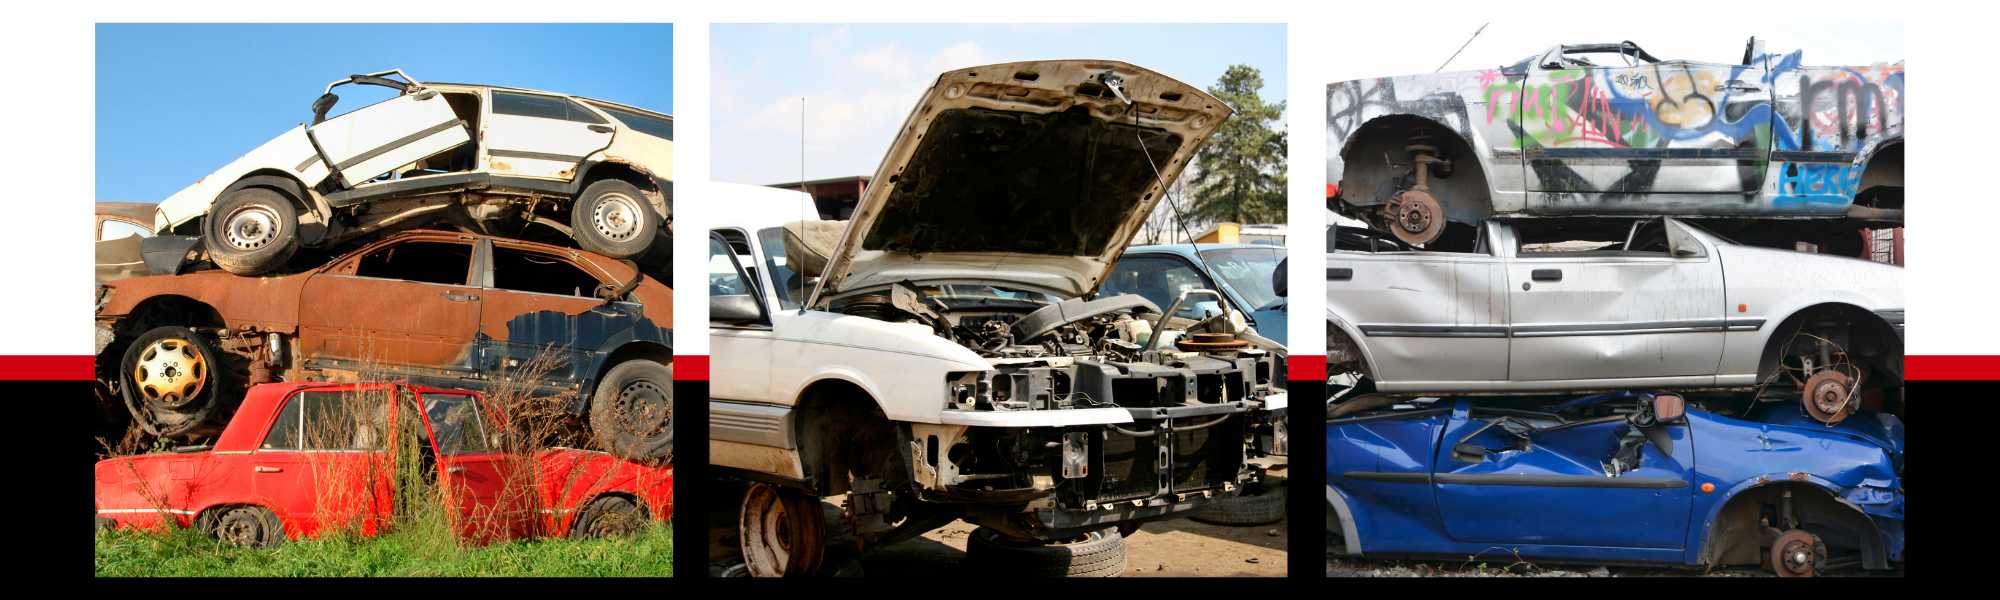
[
  {"x": 632, "y": 412},
  {"x": 733, "y": 567},
  {"x": 612, "y": 218},
  {"x": 1100, "y": 554},
  {"x": 1258, "y": 504},
  {"x": 173, "y": 383},
  {"x": 609, "y": 516},
  {"x": 251, "y": 231},
  {"x": 253, "y": 526}
]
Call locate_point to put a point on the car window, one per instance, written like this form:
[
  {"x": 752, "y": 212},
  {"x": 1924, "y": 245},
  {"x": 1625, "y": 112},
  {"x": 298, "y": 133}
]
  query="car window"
[
  {"x": 723, "y": 280},
  {"x": 428, "y": 262},
  {"x": 457, "y": 423},
  {"x": 543, "y": 107},
  {"x": 793, "y": 286},
  {"x": 531, "y": 272},
  {"x": 1637, "y": 237},
  {"x": 1159, "y": 279},
  {"x": 117, "y": 230},
  {"x": 331, "y": 421},
  {"x": 646, "y": 124},
  {"x": 1248, "y": 271}
]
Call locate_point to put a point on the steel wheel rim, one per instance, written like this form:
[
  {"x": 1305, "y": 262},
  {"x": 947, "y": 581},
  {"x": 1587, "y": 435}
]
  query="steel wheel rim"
[
  {"x": 170, "y": 372},
  {"x": 766, "y": 540},
  {"x": 251, "y": 227},
  {"x": 611, "y": 523},
  {"x": 241, "y": 529},
  {"x": 637, "y": 403},
  {"x": 617, "y": 217}
]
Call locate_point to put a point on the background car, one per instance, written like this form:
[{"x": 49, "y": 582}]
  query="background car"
[
  {"x": 1241, "y": 271},
  {"x": 431, "y": 307}
]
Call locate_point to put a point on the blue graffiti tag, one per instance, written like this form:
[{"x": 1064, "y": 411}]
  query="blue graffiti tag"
[{"x": 1817, "y": 182}]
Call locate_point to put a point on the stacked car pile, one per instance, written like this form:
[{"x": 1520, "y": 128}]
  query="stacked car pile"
[{"x": 1553, "y": 339}]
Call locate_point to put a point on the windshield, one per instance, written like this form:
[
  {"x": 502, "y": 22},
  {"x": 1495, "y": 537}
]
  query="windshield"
[
  {"x": 988, "y": 291},
  {"x": 793, "y": 287},
  {"x": 1248, "y": 271}
]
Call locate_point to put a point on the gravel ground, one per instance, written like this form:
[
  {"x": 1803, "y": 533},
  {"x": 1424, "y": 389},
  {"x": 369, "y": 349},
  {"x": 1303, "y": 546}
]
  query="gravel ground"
[{"x": 1499, "y": 563}]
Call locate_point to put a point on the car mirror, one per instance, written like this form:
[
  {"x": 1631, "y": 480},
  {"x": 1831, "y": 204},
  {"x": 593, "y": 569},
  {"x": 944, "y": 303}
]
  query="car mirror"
[
  {"x": 1669, "y": 407},
  {"x": 322, "y": 105},
  {"x": 735, "y": 308},
  {"x": 1682, "y": 243},
  {"x": 1278, "y": 279},
  {"x": 1468, "y": 453}
]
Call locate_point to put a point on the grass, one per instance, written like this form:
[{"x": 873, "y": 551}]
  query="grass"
[{"x": 187, "y": 553}]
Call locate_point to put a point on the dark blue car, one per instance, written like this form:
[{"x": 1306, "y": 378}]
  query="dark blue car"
[{"x": 1622, "y": 478}]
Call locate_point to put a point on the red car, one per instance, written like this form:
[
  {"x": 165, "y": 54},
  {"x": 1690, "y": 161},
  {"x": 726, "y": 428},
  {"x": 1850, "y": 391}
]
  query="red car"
[{"x": 299, "y": 459}]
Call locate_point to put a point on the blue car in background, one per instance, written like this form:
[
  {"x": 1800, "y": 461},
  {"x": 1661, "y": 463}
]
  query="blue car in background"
[
  {"x": 1241, "y": 271},
  {"x": 1620, "y": 478}
]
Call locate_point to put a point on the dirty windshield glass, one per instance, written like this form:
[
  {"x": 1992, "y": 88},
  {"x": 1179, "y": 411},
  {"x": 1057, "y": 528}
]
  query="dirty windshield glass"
[
  {"x": 794, "y": 285},
  {"x": 456, "y": 422},
  {"x": 331, "y": 421},
  {"x": 1249, "y": 271}
]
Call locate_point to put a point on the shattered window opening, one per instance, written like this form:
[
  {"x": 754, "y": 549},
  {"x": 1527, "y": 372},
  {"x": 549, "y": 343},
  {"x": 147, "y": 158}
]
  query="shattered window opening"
[
  {"x": 522, "y": 272},
  {"x": 443, "y": 263}
]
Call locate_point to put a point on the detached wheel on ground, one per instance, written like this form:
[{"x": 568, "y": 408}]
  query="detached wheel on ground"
[
  {"x": 610, "y": 516},
  {"x": 1259, "y": 503},
  {"x": 782, "y": 531},
  {"x": 251, "y": 231},
  {"x": 172, "y": 382},
  {"x": 614, "y": 219},
  {"x": 253, "y": 526},
  {"x": 1097, "y": 554},
  {"x": 632, "y": 412}
]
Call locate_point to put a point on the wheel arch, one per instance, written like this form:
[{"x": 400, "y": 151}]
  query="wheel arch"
[
  {"x": 822, "y": 404},
  {"x": 1707, "y": 549},
  {"x": 1337, "y": 325},
  {"x": 1869, "y": 322},
  {"x": 627, "y": 349},
  {"x": 146, "y": 315},
  {"x": 1337, "y": 504},
  {"x": 305, "y": 202},
  {"x": 648, "y": 183},
  {"x": 576, "y": 512},
  {"x": 1393, "y": 129}
]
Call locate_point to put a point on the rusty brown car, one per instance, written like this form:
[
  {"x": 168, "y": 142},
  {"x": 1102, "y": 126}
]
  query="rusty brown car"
[{"x": 434, "y": 308}]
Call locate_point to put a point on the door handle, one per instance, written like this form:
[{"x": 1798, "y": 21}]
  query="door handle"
[
  {"x": 1548, "y": 275},
  {"x": 269, "y": 470},
  {"x": 601, "y": 128},
  {"x": 457, "y": 298},
  {"x": 455, "y": 470},
  {"x": 1737, "y": 85},
  {"x": 1340, "y": 274}
]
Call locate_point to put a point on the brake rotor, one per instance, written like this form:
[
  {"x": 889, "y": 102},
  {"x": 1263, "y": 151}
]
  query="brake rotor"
[
  {"x": 1419, "y": 217},
  {"x": 1797, "y": 553},
  {"x": 1829, "y": 396}
]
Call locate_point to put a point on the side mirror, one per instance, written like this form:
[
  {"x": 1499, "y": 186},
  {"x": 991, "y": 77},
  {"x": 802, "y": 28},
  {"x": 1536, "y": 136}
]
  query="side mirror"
[
  {"x": 735, "y": 308},
  {"x": 1468, "y": 453},
  {"x": 322, "y": 105},
  {"x": 1669, "y": 407},
  {"x": 1278, "y": 279}
]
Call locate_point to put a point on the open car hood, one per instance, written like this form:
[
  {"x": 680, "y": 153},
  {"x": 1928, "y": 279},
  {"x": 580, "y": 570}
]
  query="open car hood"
[{"x": 1030, "y": 175}]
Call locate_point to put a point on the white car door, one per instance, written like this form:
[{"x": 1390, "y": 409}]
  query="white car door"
[
  {"x": 1595, "y": 315},
  {"x": 382, "y": 136},
  {"x": 538, "y": 135},
  {"x": 1425, "y": 317},
  {"x": 739, "y": 353}
]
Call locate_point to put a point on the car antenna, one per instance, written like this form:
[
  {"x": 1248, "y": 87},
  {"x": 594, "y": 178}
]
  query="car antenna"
[{"x": 1468, "y": 42}]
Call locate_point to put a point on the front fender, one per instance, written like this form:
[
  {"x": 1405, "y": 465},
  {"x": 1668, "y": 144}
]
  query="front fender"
[
  {"x": 1338, "y": 504},
  {"x": 639, "y": 333},
  {"x": 285, "y": 153}
]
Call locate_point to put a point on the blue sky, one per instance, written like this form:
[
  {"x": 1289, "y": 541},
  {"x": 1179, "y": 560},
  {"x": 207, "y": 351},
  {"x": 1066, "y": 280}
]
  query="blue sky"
[
  {"x": 175, "y": 102},
  {"x": 860, "y": 81},
  {"x": 1505, "y": 43}
]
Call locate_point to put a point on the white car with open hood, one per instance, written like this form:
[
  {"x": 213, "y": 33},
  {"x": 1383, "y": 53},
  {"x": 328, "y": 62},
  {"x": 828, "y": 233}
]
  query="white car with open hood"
[{"x": 945, "y": 355}]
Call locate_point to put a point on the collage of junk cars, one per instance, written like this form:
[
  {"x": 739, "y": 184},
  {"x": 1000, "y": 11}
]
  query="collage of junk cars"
[{"x": 997, "y": 301}]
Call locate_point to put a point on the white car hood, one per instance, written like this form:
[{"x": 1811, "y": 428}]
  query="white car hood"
[{"x": 1028, "y": 175}]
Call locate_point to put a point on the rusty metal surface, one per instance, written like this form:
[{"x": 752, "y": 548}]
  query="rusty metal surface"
[
  {"x": 1797, "y": 553},
  {"x": 140, "y": 213},
  {"x": 1830, "y": 396}
]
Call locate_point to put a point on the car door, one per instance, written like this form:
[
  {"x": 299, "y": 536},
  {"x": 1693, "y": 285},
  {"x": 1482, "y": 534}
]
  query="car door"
[
  {"x": 482, "y": 484},
  {"x": 1616, "y": 314},
  {"x": 1385, "y": 460},
  {"x": 382, "y": 136},
  {"x": 540, "y": 135},
  {"x": 1551, "y": 488},
  {"x": 1424, "y": 316},
  {"x": 1162, "y": 277},
  {"x": 1635, "y": 125},
  {"x": 740, "y": 363},
  {"x": 540, "y": 310},
  {"x": 405, "y": 307},
  {"x": 324, "y": 461}
]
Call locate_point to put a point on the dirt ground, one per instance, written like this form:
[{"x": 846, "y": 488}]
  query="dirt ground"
[
  {"x": 1500, "y": 564},
  {"x": 1176, "y": 548}
]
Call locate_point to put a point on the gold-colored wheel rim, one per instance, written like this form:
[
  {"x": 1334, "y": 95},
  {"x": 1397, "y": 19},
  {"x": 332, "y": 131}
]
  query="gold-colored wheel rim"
[{"x": 170, "y": 372}]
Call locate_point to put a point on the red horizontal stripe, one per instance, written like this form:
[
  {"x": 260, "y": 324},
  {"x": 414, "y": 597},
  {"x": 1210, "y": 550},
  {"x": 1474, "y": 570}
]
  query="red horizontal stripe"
[
  {"x": 1952, "y": 367},
  {"x": 47, "y": 368},
  {"x": 690, "y": 367},
  {"x": 1310, "y": 367}
]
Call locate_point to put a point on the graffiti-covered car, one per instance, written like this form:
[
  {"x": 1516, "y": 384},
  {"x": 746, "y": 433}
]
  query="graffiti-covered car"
[
  {"x": 1615, "y": 478},
  {"x": 1242, "y": 272},
  {"x": 300, "y": 460},
  {"x": 486, "y": 158},
  {"x": 436, "y": 308},
  {"x": 1662, "y": 305},
  {"x": 1811, "y": 153},
  {"x": 949, "y": 353}
]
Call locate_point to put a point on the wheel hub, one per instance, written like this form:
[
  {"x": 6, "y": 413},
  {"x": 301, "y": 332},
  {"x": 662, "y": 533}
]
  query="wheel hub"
[
  {"x": 1417, "y": 216},
  {"x": 618, "y": 217},
  {"x": 251, "y": 227},
  {"x": 1829, "y": 396},
  {"x": 1797, "y": 553},
  {"x": 170, "y": 373},
  {"x": 646, "y": 407}
]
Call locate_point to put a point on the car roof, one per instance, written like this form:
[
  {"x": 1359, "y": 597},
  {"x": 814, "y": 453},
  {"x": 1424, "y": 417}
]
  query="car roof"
[{"x": 141, "y": 212}]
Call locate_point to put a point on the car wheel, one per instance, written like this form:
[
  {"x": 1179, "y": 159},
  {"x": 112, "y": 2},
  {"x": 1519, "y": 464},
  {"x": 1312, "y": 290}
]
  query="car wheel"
[
  {"x": 612, "y": 218},
  {"x": 251, "y": 231},
  {"x": 782, "y": 531},
  {"x": 1258, "y": 504},
  {"x": 252, "y": 526},
  {"x": 1797, "y": 553},
  {"x": 632, "y": 413},
  {"x": 172, "y": 382},
  {"x": 1096, "y": 554},
  {"x": 610, "y": 516}
]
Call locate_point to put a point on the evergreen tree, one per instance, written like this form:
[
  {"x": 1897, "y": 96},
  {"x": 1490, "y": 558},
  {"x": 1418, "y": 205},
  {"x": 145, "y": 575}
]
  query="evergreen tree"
[{"x": 1240, "y": 175}]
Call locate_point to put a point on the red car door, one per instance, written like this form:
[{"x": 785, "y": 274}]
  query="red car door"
[
  {"x": 487, "y": 489},
  {"x": 323, "y": 462}
]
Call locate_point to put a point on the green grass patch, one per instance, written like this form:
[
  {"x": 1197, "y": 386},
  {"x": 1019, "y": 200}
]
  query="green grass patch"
[{"x": 187, "y": 553}]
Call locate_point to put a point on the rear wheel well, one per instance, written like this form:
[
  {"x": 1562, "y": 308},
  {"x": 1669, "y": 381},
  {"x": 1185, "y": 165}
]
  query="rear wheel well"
[
  {"x": 842, "y": 430},
  {"x": 1862, "y": 334},
  {"x": 1736, "y": 536},
  {"x": 1881, "y": 184},
  {"x": 632, "y": 175},
  {"x": 1376, "y": 164},
  {"x": 161, "y": 311},
  {"x": 644, "y": 510}
]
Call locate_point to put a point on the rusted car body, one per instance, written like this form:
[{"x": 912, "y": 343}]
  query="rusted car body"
[
  {"x": 303, "y": 459},
  {"x": 1792, "y": 152},
  {"x": 488, "y": 159},
  {"x": 430, "y": 307}
]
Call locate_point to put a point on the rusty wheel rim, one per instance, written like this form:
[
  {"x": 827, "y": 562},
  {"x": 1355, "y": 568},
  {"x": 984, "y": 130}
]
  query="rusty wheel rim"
[
  {"x": 778, "y": 534},
  {"x": 1797, "y": 553},
  {"x": 170, "y": 372},
  {"x": 617, "y": 217},
  {"x": 251, "y": 227}
]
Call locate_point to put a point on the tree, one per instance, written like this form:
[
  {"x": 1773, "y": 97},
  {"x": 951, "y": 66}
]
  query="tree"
[{"x": 1240, "y": 174}]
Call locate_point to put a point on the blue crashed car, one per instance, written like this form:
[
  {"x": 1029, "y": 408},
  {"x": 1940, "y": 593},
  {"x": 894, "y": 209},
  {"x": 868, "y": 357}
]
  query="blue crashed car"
[
  {"x": 1240, "y": 271},
  {"x": 1622, "y": 478}
]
